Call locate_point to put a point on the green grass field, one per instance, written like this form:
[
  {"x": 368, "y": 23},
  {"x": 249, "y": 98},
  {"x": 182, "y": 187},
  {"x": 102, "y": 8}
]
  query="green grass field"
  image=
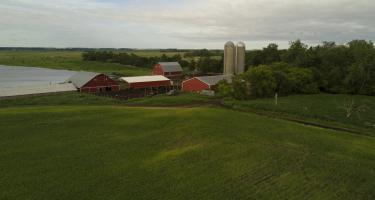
[
  {"x": 67, "y": 60},
  {"x": 87, "y": 147},
  {"x": 321, "y": 108},
  {"x": 183, "y": 99},
  {"x": 60, "y": 99}
]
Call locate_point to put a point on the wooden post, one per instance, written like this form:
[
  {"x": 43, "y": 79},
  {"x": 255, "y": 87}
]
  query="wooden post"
[{"x": 276, "y": 99}]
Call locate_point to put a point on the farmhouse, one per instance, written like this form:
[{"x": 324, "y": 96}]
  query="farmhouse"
[
  {"x": 171, "y": 70},
  {"x": 93, "y": 82},
  {"x": 198, "y": 84}
]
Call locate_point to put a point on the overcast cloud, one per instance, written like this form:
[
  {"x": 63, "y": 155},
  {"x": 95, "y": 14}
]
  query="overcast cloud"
[{"x": 182, "y": 23}]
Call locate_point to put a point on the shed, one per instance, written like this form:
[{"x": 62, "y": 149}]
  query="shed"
[
  {"x": 198, "y": 84},
  {"x": 93, "y": 82},
  {"x": 171, "y": 70},
  {"x": 143, "y": 82}
]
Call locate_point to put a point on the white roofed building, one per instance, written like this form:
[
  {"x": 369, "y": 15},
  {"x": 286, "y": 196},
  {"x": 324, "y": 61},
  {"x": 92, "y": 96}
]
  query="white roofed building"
[{"x": 141, "y": 82}]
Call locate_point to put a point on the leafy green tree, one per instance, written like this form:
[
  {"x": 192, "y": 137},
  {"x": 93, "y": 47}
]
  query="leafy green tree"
[
  {"x": 241, "y": 87},
  {"x": 262, "y": 81},
  {"x": 356, "y": 79},
  {"x": 224, "y": 88},
  {"x": 296, "y": 54},
  {"x": 271, "y": 54}
]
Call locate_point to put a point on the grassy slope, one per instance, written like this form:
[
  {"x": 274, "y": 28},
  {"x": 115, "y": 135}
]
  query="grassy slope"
[
  {"x": 60, "y": 99},
  {"x": 321, "y": 108},
  {"x": 66, "y": 60},
  {"x": 183, "y": 99},
  {"x": 93, "y": 152}
]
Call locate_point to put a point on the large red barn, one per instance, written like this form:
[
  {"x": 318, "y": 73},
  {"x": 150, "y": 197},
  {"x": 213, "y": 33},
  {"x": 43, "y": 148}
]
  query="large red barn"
[
  {"x": 198, "y": 84},
  {"x": 171, "y": 70},
  {"x": 93, "y": 82}
]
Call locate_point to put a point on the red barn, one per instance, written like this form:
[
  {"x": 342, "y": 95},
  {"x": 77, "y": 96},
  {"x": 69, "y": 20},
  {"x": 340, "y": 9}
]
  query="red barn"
[
  {"x": 171, "y": 70},
  {"x": 144, "y": 82},
  {"x": 93, "y": 82},
  {"x": 198, "y": 84}
]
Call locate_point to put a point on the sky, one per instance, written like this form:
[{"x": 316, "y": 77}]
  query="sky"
[{"x": 182, "y": 23}]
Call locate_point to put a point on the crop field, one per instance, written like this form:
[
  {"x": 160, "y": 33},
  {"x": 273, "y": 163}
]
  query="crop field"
[
  {"x": 154, "y": 53},
  {"x": 322, "y": 108},
  {"x": 104, "y": 149}
]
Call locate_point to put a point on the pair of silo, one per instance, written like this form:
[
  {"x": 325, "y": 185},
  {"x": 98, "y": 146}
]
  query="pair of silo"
[{"x": 234, "y": 58}]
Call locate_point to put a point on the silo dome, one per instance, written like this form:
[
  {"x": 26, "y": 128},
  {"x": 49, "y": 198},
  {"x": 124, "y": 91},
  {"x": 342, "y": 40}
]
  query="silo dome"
[
  {"x": 240, "y": 58},
  {"x": 229, "y": 44},
  {"x": 229, "y": 58},
  {"x": 241, "y": 44}
]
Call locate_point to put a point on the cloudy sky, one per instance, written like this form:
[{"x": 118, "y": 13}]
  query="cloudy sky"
[{"x": 182, "y": 23}]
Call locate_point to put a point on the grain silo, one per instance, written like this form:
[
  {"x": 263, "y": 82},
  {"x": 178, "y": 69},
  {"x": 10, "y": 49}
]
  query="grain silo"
[
  {"x": 229, "y": 58},
  {"x": 240, "y": 58}
]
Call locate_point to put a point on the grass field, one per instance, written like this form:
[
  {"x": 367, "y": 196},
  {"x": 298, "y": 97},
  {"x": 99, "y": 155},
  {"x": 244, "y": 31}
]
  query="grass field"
[
  {"x": 183, "y": 99},
  {"x": 322, "y": 108},
  {"x": 101, "y": 149},
  {"x": 67, "y": 60},
  {"x": 60, "y": 99}
]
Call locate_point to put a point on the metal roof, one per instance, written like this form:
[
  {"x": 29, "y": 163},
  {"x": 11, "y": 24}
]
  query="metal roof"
[
  {"x": 170, "y": 66},
  {"x": 81, "y": 78},
  {"x": 213, "y": 80},
  {"x": 140, "y": 79}
]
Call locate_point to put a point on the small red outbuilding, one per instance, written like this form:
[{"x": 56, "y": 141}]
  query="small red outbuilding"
[
  {"x": 198, "y": 84},
  {"x": 93, "y": 82}
]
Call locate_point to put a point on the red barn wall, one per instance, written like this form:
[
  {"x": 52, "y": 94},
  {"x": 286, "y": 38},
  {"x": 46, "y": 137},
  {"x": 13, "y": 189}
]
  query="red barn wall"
[
  {"x": 194, "y": 85},
  {"x": 157, "y": 70},
  {"x": 101, "y": 81}
]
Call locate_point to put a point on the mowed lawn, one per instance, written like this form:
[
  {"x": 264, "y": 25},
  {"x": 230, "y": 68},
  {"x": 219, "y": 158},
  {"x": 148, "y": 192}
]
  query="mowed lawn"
[
  {"x": 117, "y": 152},
  {"x": 70, "y": 60}
]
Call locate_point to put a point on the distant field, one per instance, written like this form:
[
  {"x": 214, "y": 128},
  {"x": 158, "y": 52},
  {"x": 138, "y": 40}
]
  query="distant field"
[
  {"x": 321, "y": 108},
  {"x": 153, "y": 53},
  {"x": 72, "y": 61}
]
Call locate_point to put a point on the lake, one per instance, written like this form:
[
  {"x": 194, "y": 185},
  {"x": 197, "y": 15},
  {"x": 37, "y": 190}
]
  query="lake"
[{"x": 11, "y": 76}]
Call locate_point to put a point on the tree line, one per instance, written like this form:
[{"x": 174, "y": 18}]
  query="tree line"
[
  {"x": 129, "y": 58},
  {"x": 328, "y": 67},
  {"x": 203, "y": 64}
]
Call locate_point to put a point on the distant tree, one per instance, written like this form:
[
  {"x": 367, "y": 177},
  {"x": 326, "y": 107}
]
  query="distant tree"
[
  {"x": 270, "y": 54},
  {"x": 241, "y": 87},
  {"x": 224, "y": 89},
  {"x": 262, "y": 81},
  {"x": 296, "y": 54}
]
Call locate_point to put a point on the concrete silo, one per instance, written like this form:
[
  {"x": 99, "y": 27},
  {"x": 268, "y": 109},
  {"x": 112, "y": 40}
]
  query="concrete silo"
[
  {"x": 240, "y": 58},
  {"x": 229, "y": 58}
]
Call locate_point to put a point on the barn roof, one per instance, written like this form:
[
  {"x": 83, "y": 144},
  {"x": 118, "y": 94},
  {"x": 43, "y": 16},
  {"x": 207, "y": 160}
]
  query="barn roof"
[
  {"x": 141, "y": 79},
  {"x": 170, "y": 66},
  {"x": 81, "y": 78},
  {"x": 213, "y": 80}
]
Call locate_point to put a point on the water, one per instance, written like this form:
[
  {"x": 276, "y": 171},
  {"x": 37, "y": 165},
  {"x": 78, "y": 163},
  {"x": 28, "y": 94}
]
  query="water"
[{"x": 13, "y": 77}]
